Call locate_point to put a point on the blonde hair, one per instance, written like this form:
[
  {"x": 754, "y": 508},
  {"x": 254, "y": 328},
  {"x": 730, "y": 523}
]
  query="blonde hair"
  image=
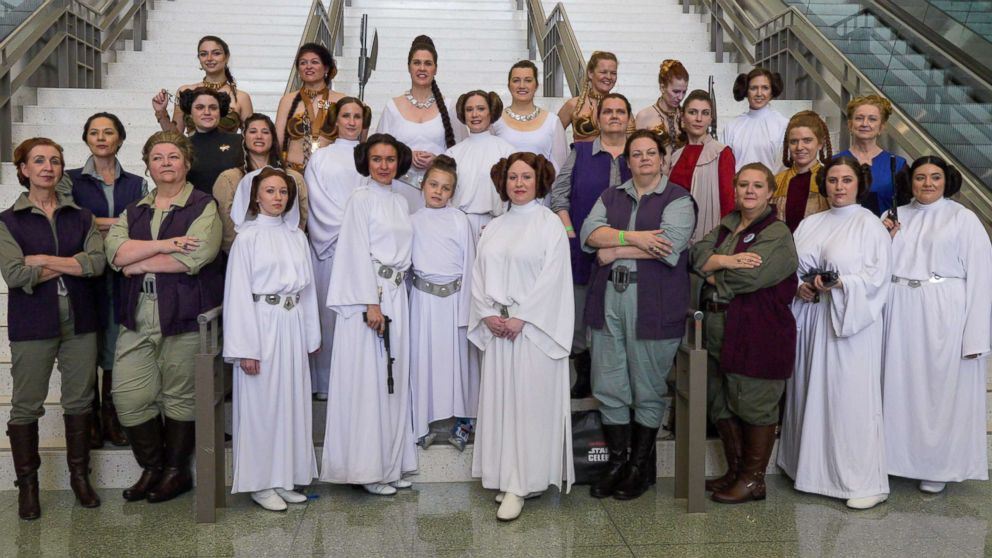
[
  {"x": 175, "y": 138},
  {"x": 883, "y": 105}
]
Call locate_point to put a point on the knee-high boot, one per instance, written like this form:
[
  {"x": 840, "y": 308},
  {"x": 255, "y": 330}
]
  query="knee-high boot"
[
  {"x": 750, "y": 483},
  {"x": 616, "y": 442},
  {"x": 146, "y": 443},
  {"x": 176, "y": 477},
  {"x": 24, "y": 450},
  {"x": 640, "y": 468},
  {"x": 77, "y": 457},
  {"x": 112, "y": 430},
  {"x": 95, "y": 432},
  {"x": 730, "y": 435}
]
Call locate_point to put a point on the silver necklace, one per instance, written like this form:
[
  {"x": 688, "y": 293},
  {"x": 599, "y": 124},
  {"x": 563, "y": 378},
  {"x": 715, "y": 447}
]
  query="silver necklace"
[
  {"x": 522, "y": 117},
  {"x": 419, "y": 104}
]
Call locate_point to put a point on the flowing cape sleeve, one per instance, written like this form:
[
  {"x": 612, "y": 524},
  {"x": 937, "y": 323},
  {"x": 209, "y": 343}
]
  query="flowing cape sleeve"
[
  {"x": 325, "y": 209},
  {"x": 481, "y": 305},
  {"x": 859, "y": 302},
  {"x": 353, "y": 283},
  {"x": 559, "y": 145},
  {"x": 468, "y": 262},
  {"x": 308, "y": 299},
  {"x": 548, "y": 307},
  {"x": 241, "y": 335},
  {"x": 977, "y": 253}
]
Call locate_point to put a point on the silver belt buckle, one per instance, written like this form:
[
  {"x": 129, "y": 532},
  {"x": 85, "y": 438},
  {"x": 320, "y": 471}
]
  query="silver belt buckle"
[
  {"x": 504, "y": 312},
  {"x": 272, "y": 299},
  {"x": 934, "y": 278},
  {"x": 385, "y": 272},
  {"x": 621, "y": 278},
  {"x": 914, "y": 283},
  {"x": 289, "y": 302}
]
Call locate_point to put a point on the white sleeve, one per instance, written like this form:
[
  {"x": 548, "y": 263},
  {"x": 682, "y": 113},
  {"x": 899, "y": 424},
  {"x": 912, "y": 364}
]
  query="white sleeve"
[{"x": 241, "y": 336}]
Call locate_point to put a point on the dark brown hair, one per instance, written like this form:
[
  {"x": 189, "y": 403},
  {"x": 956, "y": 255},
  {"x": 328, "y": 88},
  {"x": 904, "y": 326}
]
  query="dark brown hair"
[
  {"x": 444, "y": 163},
  {"x": 330, "y": 126},
  {"x": 862, "y": 172},
  {"x": 523, "y": 64},
  {"x": 325, "y": 58},
  {"x": 189, "y": 96},
  {"x": 404, "y": 157},
  {"x": 694, "y": 95},
  {"x": 769, "y": 175},
  {"x": 24, "y": 148},
  {"x": 743, "y": 81},
  {"x": 118, "y": 126},
  {"x": 256, "y": 183},
  {"x": 904, "y": 178},
  {"x": 273, "y": 158},
  {"x": 599, "y": 106},
  {"x": 813, "y": 121},
  {"x": 423, "y": 42},
  {"x": 493, "y": 101},
  {"x": 643, "y": 134},
  {"x": 544, "y": 173},
  {"x": 227, "y": 52}
]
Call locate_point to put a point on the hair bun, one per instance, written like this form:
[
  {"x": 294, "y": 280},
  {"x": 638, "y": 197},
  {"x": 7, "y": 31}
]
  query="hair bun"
[{"x": 423, "y": 40}]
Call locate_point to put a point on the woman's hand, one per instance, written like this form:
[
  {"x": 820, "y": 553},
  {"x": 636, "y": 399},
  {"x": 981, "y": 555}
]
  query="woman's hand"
[
  {"x": 513, "y": 328},
  {"x": 422, "y": 159},
  {"x": 818, "y": 284},
  {"x": 184, "y": 244},
  {"x": 374, "y": 318},
  {"x": 891, "y": 226},
  {"x": 806, "y": 292},
  {"x": 650, "y": 241},
  {"x": 496, "y": 325},
  {"x": 606, "y": 256},
  {"x": 160, "y": 102},
  {"x": 744, "y": 260},
  {"x": 250, "y": 366}
]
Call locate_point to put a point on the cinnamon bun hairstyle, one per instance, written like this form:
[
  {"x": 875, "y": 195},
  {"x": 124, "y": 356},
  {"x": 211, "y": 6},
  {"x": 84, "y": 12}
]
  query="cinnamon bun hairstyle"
[
  {"x": 446, "y": 164},
  {"x": 493, "y": 101},
  {"x": 423, "y": 42},
  {"x": 862, "y": 172},
  {"x": 812, "y": 120},
  {"x": 187, "y": 97},
  {"x": 904, "y": 178},
  {"x": 329, "y": 128},
  {"x": 544, "y": 173},
  {"x": 671, "y": 69},
  {"x": 404, "y": 157},
  {"x": 227, "y": 52},
  {"x": 743, "y": 81},
  {"x": 884, "y": 106}
]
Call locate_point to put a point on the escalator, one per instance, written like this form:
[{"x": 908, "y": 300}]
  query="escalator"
[{"x": 950, "y": 101}]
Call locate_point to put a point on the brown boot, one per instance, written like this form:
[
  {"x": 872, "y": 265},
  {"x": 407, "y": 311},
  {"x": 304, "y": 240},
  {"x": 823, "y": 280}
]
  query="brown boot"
[
  {"x": 24, "y": 449},
  {"x": 77, "y": 456},
  {"x": 146, "y": 443},
  {"x": 95, "y": 435},
  {"x": 112, "y": 430},
  {"x": 750, "y": 484},
  {"x": 730, "y": 435},
  {"x": 176, "y": 477}
]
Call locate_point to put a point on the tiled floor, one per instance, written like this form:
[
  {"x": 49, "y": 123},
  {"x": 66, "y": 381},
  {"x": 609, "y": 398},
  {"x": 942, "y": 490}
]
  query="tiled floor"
[{"x": 458, "y": 519}]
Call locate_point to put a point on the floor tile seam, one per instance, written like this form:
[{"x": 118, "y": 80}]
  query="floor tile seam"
[{"x": 602, "y": 505}]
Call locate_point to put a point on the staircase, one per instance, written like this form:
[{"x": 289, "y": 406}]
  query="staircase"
[{"x": 642, "y": 33}]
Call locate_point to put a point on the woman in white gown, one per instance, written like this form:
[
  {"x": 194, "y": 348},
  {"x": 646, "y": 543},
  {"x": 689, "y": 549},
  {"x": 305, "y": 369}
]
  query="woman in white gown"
[
  {"x": 938, "y": 321},
  {"x": 420, "y": 118},
  {"x": 270, "y": 327},
  {"x": 756, "y": 135},
  {"x": 444, "y": 368},
  {"x": 521, "y": 317},
  {"x": 832, "y": 440},
  {"x": 526, "y": 126},
  {"x": 331, "y": 176},
  {"x": 475, "y": 195},
  {"x": 369, "y": 434}
]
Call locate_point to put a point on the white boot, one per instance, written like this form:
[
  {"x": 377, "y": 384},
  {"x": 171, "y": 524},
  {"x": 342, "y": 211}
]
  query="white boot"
[
  {"x": 402, "y": 483},
  {"x": 510, "y": 508},
  {"x": 379, "y": 489},
  {"x": 269, "y": 500},
  {"x": 867, "y": 502},
  {"x": 499, "y": 497},
  {"x": 932, "y": 487},
  {"x": 291, "y": 496}
]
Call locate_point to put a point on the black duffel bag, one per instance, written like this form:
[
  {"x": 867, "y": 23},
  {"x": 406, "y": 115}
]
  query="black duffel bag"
[{"x": 589, "y": 451}]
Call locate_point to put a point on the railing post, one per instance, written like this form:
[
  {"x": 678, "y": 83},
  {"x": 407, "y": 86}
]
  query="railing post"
[
  {"x": 6, "y": 119},
  {"x": 717, "y": 33},
  {"x": 210, "y": 391},
  {"x": 531, "y": 34},
  {"x": 140, "y": 27},
  {"x": 690, "y": 417}
]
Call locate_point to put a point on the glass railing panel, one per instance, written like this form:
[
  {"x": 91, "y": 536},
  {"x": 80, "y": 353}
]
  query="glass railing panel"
[{"x": 13, "y": 13}]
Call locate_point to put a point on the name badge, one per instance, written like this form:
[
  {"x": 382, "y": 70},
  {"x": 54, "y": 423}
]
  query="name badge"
[{"x": 748, "y": 238}]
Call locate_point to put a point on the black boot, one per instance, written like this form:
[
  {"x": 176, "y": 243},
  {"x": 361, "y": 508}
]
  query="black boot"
[
  {"x": 112, "y": 430},
  {"x": 24, "y": 450},
  {"x": 640, "y": 468},
  {"x": 616, "y": 441},
  {"x": 176, "y": 477},
  {"x": 146, "y": 443},
  {"x": 95, "y": 433},
  {"x": 583, "y": 369},
  {"x": 77, "y": 456}
]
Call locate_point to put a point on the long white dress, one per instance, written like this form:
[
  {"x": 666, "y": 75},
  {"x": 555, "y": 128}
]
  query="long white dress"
[
  {"x": 548, "y": 140},
  {"x": 331, "y": 177},
  {"x": 757, "y": 136},
  {"x": 418, "y": 136},
  {"x": 832, "y": 439},
  {"x": 935, "y": 421},
  {"x": 444, "y": 367},
  {"x": 475, "y": 193},
  {"x": 368, "y": 437},
  {"x": 523, "y": 440},
  {"x": 273, "y": 425}
]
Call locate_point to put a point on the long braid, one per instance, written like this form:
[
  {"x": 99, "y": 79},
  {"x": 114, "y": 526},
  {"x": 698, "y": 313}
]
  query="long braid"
[
  {"x": 442, "y": 108},
  {"x": 230, "y": 78},
  {"x": 827, "y": 151},
  {"x": 292, "y": 111}
]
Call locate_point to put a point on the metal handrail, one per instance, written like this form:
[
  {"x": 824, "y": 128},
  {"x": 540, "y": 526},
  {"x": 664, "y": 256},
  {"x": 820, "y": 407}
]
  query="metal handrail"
[
  {"x": 211, "y": 387},
  {"x": 325, "y": 27},
  {"x": 77, "y": 35},
  {"x": 790, "y": 34},
  {"x": 560, "y": 53}
]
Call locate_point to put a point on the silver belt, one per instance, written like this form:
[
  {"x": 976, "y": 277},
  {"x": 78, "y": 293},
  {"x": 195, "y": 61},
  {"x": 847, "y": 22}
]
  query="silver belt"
[
  {"x": 436, "y": 289},
  {"x": 504, "y": 310},
  {"x": 288, "y": 301},
  {"x": 917, "y": 283},
  {"x": 391, "y": 274}
]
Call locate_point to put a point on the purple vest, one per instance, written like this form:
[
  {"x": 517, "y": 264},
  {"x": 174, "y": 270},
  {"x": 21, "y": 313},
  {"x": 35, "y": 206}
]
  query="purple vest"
[
  {"x": 662, "y": 291},
  {"x": 590, "y": 176},
  {"x": 181, "y": 297},
  {"x": 36, "y": 316}
]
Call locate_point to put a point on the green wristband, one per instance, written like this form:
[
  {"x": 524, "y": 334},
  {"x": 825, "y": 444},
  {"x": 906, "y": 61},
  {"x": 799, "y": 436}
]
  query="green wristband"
[
  {"x": 622, "y": 241},
  {"x": 569, "y": 229}
]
